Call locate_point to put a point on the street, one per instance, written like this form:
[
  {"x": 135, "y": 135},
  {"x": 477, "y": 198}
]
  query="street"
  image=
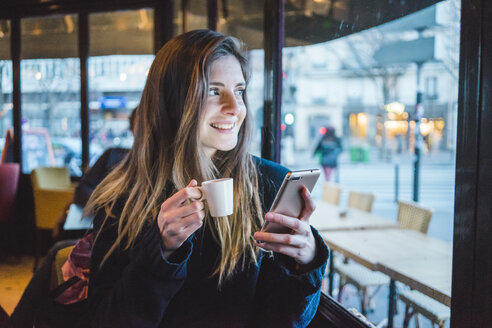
[{"x": 437, "y": 176}]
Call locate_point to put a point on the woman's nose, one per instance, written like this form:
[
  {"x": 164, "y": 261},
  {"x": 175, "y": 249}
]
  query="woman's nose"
[{"x": 230, "y": 104}]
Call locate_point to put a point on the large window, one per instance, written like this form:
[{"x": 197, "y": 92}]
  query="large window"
[
  {"x": 50, "y": 84},
  {"x": 121, "y": 49},
  {"x": 6, "y": 113},
  {"x": 196, "y": 14},
  {"x": 363, "y": 87}
]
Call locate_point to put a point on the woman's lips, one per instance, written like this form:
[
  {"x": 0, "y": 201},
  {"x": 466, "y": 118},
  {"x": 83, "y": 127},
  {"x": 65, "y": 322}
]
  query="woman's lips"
[{"x": 223, "y": 126}]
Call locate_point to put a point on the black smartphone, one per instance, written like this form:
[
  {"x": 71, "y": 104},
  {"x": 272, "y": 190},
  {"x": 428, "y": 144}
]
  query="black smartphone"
[{"x": 289, "y": 200}]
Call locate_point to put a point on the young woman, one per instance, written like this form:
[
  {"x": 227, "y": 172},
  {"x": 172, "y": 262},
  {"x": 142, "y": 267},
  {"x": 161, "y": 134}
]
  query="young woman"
[{"x": 159, "y": 259}]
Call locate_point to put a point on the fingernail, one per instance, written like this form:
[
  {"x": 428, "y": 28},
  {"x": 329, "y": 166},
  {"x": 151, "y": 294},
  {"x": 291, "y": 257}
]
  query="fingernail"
[{"x": 269, "y": 216}]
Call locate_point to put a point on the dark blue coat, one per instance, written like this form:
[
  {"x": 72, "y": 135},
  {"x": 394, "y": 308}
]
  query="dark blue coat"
[{"x": 141, "y": 288}]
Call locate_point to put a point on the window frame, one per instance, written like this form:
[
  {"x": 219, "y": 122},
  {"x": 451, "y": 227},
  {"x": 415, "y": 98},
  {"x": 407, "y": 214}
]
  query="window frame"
[{"x": 472, "y": 263}]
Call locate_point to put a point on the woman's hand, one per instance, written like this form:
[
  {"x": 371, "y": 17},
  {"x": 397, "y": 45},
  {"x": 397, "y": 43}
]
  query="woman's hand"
[
  {"x": 178, "y": 218},
  {"x": 300, "y": 244}
]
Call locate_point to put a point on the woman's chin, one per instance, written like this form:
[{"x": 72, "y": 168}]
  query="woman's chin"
[{"x": 225, "y": 148}]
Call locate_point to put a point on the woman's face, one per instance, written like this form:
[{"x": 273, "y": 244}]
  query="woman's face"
[{"x": 224, "y": 110}]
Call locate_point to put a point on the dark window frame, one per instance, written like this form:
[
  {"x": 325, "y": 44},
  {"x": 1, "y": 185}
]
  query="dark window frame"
[{"x": 472, "y": 263}]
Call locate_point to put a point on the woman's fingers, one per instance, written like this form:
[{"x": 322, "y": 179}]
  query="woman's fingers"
[
  {"x": 178, "y": 217},
  {"x": 298, "y": 253},
  {"x": 309, "y": 205},
  {"x": 300, "y": 244},
  {"x": 175, "y": 232},
  {"x": 177, "y": 213},
  {"x": 280, "y": 238},
  {"x": 301, "y": 248},
  {"x": 180, "y": 198},
  {"x": 287, "y": 221},
  {"x": 185, "y": 224}
]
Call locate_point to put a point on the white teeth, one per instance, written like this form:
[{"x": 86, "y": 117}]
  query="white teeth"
[{"x": 223, "y": 126}]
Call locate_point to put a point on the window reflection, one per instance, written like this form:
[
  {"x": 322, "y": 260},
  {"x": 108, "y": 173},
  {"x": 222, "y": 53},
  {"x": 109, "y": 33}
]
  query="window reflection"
[
  {"x": 121, "y": 47},
  {"x": 50, "y": 84},
  {"x": 6, "y": 107}
]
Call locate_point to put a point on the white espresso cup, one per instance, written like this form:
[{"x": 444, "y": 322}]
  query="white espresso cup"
[{"x": 219, "y": 194}]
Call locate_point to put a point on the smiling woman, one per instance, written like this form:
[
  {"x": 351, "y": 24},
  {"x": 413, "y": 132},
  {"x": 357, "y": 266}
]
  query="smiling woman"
[{"x": 159, "y": 258}]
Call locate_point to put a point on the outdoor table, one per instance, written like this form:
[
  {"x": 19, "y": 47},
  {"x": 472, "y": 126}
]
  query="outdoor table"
[
  {"x": 417, "y": 260},
  {"x": 327, "y": 217}
]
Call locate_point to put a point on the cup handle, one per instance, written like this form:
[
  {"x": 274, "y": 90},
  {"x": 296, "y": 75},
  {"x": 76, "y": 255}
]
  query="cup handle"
[{"x": 203, "y": 194}]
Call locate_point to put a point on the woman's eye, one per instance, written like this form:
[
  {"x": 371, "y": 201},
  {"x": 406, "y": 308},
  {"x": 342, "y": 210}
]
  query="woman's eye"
[
  {"x": 240, "y": 92},
  {"x": 213, "y": 92}
]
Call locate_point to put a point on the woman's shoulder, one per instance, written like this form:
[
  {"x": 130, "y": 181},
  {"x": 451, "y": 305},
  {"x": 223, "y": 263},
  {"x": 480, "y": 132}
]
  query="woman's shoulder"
[
  {"x": 116, "y": 155},
  {"x": 269, "y": 168}
]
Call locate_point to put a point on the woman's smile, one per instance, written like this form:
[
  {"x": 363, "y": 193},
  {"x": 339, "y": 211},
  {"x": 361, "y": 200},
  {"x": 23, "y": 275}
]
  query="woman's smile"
[{"x": 224, "y": 127}]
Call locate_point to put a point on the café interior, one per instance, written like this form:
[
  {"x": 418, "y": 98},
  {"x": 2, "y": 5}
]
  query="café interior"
[{"x": 448, "y": 284}]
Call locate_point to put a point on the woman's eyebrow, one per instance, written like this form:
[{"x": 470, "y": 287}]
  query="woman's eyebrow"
[{"x": 220, "y": 84}]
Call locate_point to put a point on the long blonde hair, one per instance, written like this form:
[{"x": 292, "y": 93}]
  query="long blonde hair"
[{"x": 167, "y": 149}]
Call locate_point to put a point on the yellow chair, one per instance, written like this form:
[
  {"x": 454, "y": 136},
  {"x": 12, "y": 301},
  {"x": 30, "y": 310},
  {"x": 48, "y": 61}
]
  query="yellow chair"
[
  {"x": 331, "y": 193},
  {"x": 361, "y": 201},
  {"x": 52, "y": 191},
  {"x": 410, "y": 216},
  {"x": 56, "y": 269}
]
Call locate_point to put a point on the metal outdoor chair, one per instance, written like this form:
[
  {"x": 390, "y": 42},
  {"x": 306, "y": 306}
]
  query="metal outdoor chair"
[
  {"x": 410, "y": 216},
  {"x": 331, "y": 193},
  {"x": 417, "y": 303},
  {"x": 361, "y": 201}
]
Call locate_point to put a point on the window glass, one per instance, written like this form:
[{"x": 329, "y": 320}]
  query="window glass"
[
  {"x": 121, "y": 48},
  {"x": 178, "y": 18},
  {"x": 245, "y": 22},
  {"x": 50, "y": 84},
  {"x": 196, "y": 15},
  {"x": 381, "y": 90},
  {"x": 6, "y": 113}
]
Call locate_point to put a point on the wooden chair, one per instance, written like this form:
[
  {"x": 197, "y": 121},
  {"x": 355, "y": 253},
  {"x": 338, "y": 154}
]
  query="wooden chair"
[
  {"x": 52, "y": 192},
  {"x": 331, "y": 193},
  {"x": 411, "y": 216},
  {"x": 361, "y": 201}
]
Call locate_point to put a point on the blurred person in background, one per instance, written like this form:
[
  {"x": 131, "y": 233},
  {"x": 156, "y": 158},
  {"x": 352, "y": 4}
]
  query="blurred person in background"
[
  {"x": 104, "y": 164},
  {"x": 328, "y": 150}
]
